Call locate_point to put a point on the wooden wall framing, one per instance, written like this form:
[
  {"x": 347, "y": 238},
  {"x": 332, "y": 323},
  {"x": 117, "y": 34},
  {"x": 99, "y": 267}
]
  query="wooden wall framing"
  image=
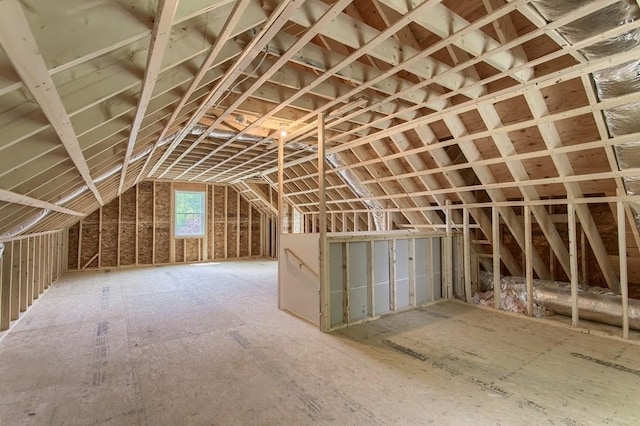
[
  {"x": 28, "y": 267},
  {"x": 136, "y": 229}
]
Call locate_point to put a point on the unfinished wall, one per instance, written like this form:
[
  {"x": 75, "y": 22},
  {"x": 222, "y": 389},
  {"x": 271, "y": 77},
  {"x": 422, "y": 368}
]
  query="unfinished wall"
[
  {"x": 137, "y": 229},
  {"x": 28, "y": 267},
  {"x": 588, "y": 268}
]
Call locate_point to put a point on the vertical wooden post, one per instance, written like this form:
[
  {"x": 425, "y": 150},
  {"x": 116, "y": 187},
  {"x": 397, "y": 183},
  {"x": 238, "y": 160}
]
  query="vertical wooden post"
[
  {"x": 622, "y": 255},
  {"x": 552, "y": 256},
  {"x": 250, "y": 229},
  {"x": 32, "y": 270},
  {"x": 100, "y": 237},
  {"x": 467, "y": 254},
  {"x": 412, "y": 272},
  {"x": 448, "y": 253},
  {"x": 79, "y": 245},
  {"x": 573, "y": 258},
  {"x": 65, "y": 250},
  {"x": 153, "y": 234},
  {"x": 15, "y": 280},
  {"x": 120, "y": 228},
  {"x": 583, "y": 255},
  {"x": 325, "y": 314},
  {"x": 172, "y": 226},
  {"x": 346, "y": 285},
  {"x": 280, "y": 218},
  {"x": 226, "y": 221},
  {"x": 5, "y": 291},
  {"x": 495, "y": 227},
  {"x": 213, "y": 222},
  {"x": 24, "y": 275},
  {"x": 528, "y": 258},
  {"x": 392, "y": 275},
  {"x": 35, "y": 279},
  {"x": 238, "y": 223},
  {"x": 431, "y": 275},
  {"x": 136, "y": 224}
]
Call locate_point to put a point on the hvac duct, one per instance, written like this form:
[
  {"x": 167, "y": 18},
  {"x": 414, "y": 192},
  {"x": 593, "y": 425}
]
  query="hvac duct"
[
  {"x": 611, "y": 82},
  {"x": 594, "y": 303},
  {"x": 352, "y": 181}
]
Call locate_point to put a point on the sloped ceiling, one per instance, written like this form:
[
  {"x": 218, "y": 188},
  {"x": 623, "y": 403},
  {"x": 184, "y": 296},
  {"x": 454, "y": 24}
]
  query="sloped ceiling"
[{"x": 460, "y": 100}]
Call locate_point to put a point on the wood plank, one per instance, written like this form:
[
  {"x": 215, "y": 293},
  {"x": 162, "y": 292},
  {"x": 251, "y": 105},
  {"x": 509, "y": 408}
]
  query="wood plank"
[
  {"x": 5, "y": 291},
  {"x": 15, "y": 279},
  {"x": 622, "y": 252},
  {"x": 573, "y": 256},
  {"x": 12, "y": 197}
]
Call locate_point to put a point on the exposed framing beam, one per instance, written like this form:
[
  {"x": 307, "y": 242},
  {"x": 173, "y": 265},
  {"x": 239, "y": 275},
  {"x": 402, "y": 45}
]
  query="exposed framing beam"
[
  {"x": 19, "y": 44},
  {"x": 12, "y": 197},
  {"x": 160, "y": 37}
]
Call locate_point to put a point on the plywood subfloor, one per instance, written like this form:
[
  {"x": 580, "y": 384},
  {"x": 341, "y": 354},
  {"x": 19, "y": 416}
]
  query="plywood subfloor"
[{"x": 205, "y": 344}]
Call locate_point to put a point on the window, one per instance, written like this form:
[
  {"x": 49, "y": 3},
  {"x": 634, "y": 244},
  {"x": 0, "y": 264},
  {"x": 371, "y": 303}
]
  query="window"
[{"x": 189, "y": 211}]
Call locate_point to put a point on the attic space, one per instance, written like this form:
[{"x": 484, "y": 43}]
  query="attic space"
[{"x": 319, "y": 211}]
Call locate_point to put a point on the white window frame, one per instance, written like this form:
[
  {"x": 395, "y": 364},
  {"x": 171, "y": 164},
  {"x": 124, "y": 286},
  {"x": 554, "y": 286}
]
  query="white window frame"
[{"x": 203, "y": 232}]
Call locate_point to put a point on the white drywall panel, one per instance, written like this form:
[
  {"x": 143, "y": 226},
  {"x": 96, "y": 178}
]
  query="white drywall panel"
[{"x": 299, "y": 266}]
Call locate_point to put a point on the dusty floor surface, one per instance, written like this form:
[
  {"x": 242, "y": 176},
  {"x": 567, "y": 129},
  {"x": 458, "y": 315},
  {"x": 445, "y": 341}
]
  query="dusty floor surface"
[{"x": 205, "y": 345}]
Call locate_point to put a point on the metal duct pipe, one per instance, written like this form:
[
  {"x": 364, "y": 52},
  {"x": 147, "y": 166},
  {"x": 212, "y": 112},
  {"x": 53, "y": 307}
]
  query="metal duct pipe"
[
  {"x": 222, "y": 134},
  {"x": 594, "y": 303}
]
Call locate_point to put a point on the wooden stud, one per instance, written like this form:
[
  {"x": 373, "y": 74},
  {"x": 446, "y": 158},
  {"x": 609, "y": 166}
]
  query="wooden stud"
[
  {"x": 431, "y": 275},
  {"x": 325, "y": 312},
  {"x": 528, "y": 256},
  {"x": 79, "y": 243},
  {"x": 448, "y": 253},
  {"x": 5, "y": 291},
  {"x": 137, "y": 245},
  {"x": 250, "y": 231},
  {"x": 238, "y": 223},
  {"x": 495, "y": 219},
  {"x": 35, "y": 279},
  {"x": 573, "y": 257},
  {"x": 32, "y": 270},
  {"x": 392, "y": 275},
  {"x": 226, "y": 222},
  {"x": 346, "y": 285},
  {"x": 467, "y": 254},
  {"x": 172, "y": 214},
  {"x": 153, "y": 234},
  {"x": 583, "y": 255},
  {"x": 622, "y": 255},
  {"x": 412, "y": 272},
  {"x": 552, "y": 256},
  {"x": 15, "y": 279},
  {"x": 100, "y": 237}
]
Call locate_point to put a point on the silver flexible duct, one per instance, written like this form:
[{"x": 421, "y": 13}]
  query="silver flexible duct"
[
  {"x": 611, "y": 82},
  {"x": 352, "y": 181},
  {"x": 594, "y": 303}
]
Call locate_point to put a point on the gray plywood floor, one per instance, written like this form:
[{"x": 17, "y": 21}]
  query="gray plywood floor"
[{"x": 205, "y": 344}]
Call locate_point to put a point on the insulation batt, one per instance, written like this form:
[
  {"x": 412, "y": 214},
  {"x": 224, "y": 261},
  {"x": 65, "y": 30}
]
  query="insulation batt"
[{"x": 594, "y": 303}]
